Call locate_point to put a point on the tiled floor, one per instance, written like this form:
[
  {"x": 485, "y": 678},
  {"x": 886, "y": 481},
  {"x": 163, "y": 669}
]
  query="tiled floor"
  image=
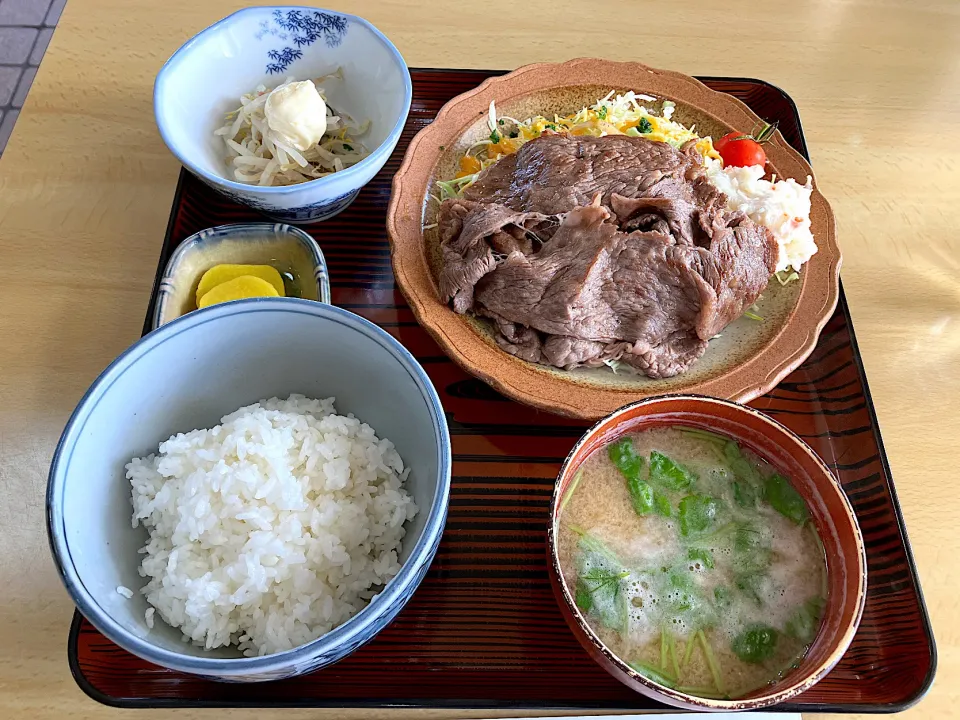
[{"x": 25, "y": 30}]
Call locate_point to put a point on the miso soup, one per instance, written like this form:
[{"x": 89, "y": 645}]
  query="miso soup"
[{"x": 693, "y": 560}]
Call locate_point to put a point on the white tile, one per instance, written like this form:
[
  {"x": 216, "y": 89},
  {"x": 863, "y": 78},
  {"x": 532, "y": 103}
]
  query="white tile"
[
  {"x": 6, "y": 127},
  {"x": 23, "y": 12},
  {"x": 16, "y": 44},
  {"x": 9, "y": 76},
  {"x": 54, "y": 14},
  {"x": 40, "y": 47},
  {"x": 26, "y": 80}
]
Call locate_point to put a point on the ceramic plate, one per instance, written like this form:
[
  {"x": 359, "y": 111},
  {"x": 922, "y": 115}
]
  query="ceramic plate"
[{"x": 747, "y": 360}]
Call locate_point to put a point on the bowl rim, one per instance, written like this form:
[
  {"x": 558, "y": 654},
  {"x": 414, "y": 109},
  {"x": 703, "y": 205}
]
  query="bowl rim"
[
  {"x": 183, "y": 52},
  {"x": 217, "y": 233},
  {"x": 707, "y": 404},
  {"x": 541, "y": 387},
  {"x": 394, "y": 595}
]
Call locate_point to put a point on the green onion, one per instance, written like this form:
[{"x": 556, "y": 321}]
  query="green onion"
[
  {"x": 663, "y": 650},
  {"x": 688, "y": 652},
  {"x": 706, "y": 692},
  {"x": 673, "y": 656},
  {"x": 753, "y": 316},
  {"x": 651, "y": 673},
  {"x": 711, "y": 661},
  {"x": 645, "y": 126},
  {"x": 704, "y": 435},
  {"x": 569, "y": 493}
]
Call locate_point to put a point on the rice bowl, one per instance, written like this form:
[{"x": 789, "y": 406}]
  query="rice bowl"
[{"x": 178, "y": 378}]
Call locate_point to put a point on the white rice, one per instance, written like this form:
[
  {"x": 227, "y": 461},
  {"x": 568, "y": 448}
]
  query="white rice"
[
  {"x": 125, "y": 591},
  {"x": 782, "y": 206},
  {"x": 272, "y": 528}
]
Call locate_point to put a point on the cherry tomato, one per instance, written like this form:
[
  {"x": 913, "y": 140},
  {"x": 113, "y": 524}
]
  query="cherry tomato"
[{"x": 740, "y": 151}]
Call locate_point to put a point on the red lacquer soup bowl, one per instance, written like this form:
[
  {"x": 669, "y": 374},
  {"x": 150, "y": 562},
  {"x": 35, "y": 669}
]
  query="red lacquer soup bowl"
[{"x": 829, "y": 509}]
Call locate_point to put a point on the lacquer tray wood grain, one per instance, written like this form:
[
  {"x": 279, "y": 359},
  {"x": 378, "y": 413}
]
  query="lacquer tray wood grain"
[{"x": 483, "y": 630}]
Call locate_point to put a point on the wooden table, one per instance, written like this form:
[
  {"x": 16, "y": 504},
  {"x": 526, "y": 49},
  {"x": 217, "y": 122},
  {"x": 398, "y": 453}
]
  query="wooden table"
[{"x": 86, "y": 185}]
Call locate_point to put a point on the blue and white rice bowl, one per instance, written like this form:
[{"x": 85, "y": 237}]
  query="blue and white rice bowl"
[{"x": 206, "y": 78}]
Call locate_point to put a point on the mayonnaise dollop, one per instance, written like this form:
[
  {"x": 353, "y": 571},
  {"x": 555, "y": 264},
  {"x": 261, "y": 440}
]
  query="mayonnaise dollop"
[{"x": 297, "y": 113}]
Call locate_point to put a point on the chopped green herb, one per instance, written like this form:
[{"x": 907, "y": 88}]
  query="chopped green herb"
[
  {"x": 732, "y": 451},
  {"x": 785, "y": 500},
  {"x": 584, "y": 597},
  {"x": 755, "y": 644},
  {"x": 599, "y": 579},
  {"x": 550, "y": 126},
  {"x": 602, "y": 112},
  {"x": 591, "y": 545},
  {"x": 697, "y": 514},
  {"x": 703, "y": 555},
  {"x": 661, "y": 504},
  {"x": 747, "y": 539},
  {"x": 669, "y": 474},
  {"x": 500, "y": 121},
  {"x": 721, "y": 597},
  {"x": 443, "y": 147},
  {"x": 625, "y": 458},
  {"x": 495, "y": 137},
  {"x": 348, "y": 148},
  {"x": 751, "y": 562},
  {"x": 806, "y": 620},
  {"x": 744, "y": 494},
  {"x": 645, "y": 126},
  {"x": 600, "y": 573},
  {"x": 514, "y": 134},
  {"x": 751, "y": 584},
  {"x": 641, "y": 496}
]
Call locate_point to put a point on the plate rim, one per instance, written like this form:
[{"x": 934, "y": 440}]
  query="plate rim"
[{"x": 540, "y": 388}]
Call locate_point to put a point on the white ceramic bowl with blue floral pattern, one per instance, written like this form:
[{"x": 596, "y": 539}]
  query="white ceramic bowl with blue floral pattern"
[{"x": 264, "y": 45}]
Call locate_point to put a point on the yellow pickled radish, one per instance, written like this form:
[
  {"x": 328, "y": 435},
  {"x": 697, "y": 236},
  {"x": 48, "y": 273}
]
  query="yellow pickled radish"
[
  {"x": 219, "y": 274},
  {"x": 245, "y": 286}
]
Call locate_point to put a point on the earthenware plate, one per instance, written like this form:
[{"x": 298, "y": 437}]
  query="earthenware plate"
[{"x": 747, "y": 360}]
